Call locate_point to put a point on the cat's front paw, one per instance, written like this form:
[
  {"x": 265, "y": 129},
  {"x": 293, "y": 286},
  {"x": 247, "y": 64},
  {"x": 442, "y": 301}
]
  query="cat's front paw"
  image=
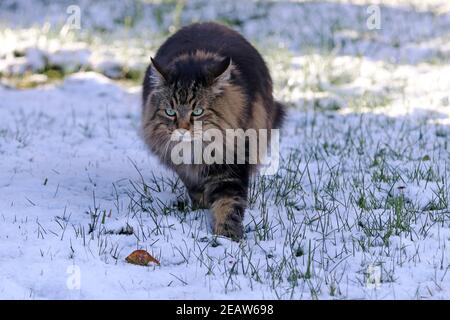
[{"x": 230, "y": 228}]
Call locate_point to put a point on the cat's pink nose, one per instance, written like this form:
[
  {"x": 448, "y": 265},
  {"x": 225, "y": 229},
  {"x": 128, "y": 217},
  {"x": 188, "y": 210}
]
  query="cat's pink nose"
[{"x": 184, "y": 125}]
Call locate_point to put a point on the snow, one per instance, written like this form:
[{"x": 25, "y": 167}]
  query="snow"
[{"x": 363, "y": 186}]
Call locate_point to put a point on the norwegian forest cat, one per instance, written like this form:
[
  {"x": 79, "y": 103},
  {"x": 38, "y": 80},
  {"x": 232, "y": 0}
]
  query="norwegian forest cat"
[{"x": 207, "y": 72}]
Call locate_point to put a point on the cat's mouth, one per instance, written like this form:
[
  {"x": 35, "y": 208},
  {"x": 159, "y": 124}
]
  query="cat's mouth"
[{"x": 183, "y": 135}]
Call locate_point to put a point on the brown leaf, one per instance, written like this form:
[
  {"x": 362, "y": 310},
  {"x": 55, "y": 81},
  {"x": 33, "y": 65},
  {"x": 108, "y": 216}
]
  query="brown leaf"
[{"x": 141, "y": 257}]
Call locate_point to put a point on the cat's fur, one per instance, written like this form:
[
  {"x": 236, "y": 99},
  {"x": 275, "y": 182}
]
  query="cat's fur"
[{"x": 211, "y": 66}]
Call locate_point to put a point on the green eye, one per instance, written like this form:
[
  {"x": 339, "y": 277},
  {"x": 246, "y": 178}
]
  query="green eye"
[
  {"x": 197, "y": 112},
  {"x": 170, "y": 112}
]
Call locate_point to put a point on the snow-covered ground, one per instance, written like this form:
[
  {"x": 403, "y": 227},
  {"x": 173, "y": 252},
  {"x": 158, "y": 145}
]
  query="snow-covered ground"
[{"x": 359, "y": 208}]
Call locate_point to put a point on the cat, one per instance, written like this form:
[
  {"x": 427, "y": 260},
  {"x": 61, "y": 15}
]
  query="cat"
[{"x": 210, "y": 73}]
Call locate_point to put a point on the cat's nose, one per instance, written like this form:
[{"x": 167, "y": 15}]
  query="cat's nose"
[{"x": 184, "y": 125}]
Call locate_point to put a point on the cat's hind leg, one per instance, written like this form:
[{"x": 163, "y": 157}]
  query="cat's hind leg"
[{"x": 197, "y": 196}]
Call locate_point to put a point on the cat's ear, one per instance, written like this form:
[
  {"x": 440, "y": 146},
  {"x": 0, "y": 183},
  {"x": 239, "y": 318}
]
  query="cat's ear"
[
  {"x": 159, "y": 75},
  {"x": 221, "y": 74}
]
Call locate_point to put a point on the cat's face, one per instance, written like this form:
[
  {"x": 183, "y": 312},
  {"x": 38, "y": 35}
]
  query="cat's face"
[
  {"x": 177, "y": 106},
  {"x": 192, "y": 90}
]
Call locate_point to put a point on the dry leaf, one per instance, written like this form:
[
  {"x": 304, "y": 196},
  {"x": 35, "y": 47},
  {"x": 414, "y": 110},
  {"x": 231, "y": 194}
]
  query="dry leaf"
[{"x": 141, "y": 257}]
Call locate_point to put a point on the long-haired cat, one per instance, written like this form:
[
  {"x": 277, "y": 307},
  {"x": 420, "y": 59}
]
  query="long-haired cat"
[{"x": 208, "y": 72}]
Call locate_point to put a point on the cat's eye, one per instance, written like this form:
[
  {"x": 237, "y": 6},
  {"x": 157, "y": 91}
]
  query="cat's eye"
[
  {"x": 170, "y": 112},
  {"x": 197, "y": 112}
]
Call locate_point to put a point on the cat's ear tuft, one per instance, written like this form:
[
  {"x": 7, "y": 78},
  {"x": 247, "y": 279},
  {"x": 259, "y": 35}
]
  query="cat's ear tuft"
[
  {"x": 221, "y": 74},
  {"x": 159, "y": 74}
]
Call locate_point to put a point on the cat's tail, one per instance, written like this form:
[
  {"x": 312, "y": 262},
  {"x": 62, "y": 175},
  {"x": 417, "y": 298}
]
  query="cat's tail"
[{"x": 280, "y": 115}]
